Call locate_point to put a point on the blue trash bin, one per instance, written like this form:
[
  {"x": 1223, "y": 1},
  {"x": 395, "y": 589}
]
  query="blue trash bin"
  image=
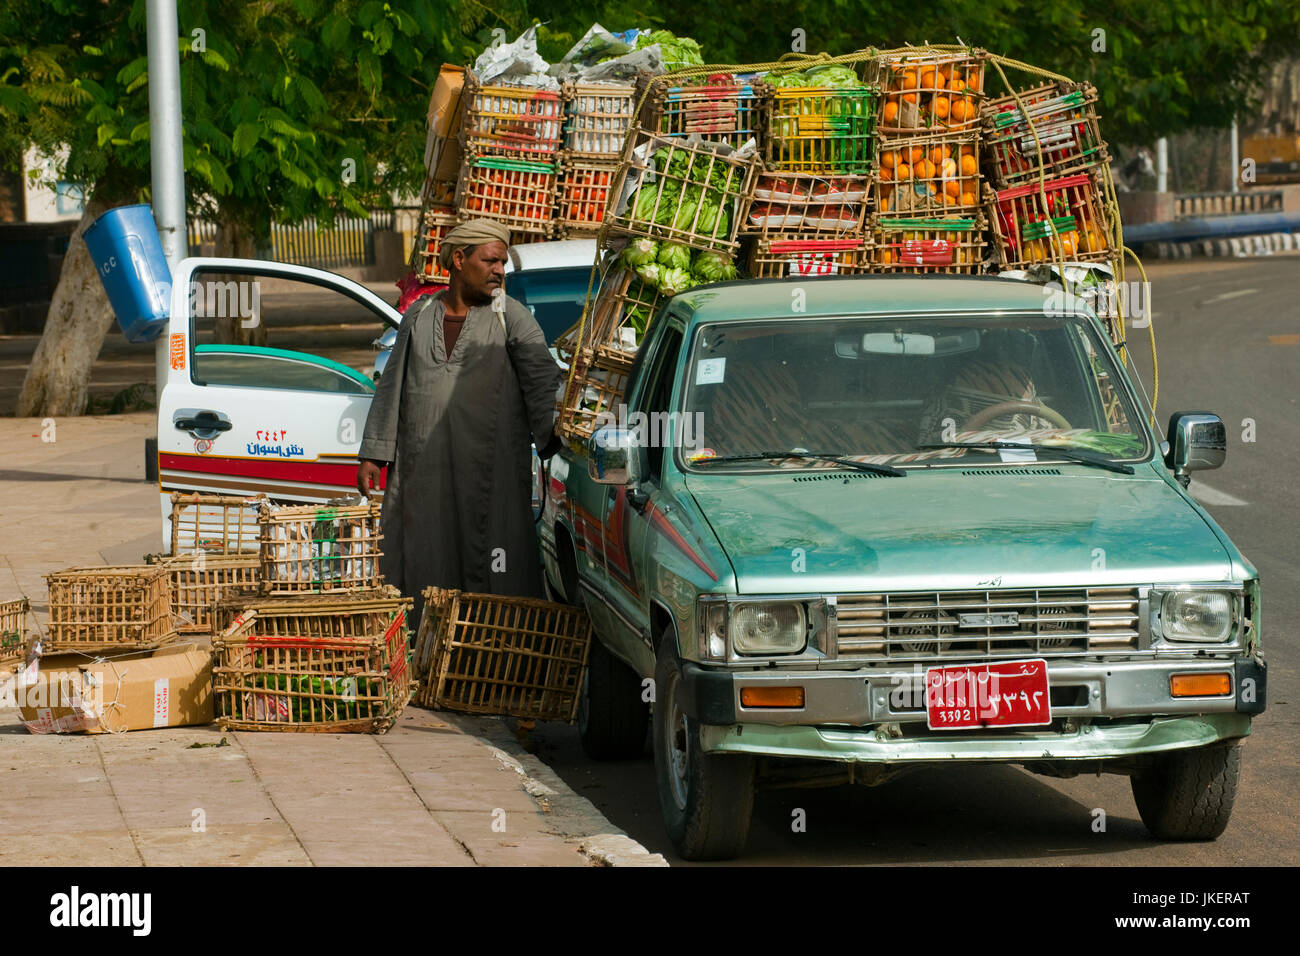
[{"x": 128, "y": 256}]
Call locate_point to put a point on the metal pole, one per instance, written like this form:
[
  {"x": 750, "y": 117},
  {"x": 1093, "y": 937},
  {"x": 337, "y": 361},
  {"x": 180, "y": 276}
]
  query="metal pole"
[
  {"x": 167, "y": 164},
  {"x": 1162, "y": 165},
  {"x": 1236, "y": 159}
]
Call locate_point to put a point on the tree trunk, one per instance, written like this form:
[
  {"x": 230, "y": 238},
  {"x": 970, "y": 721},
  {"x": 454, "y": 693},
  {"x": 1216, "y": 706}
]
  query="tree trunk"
[
  {"x": 58, "y": 380},
  {"x": 235, "y": 241}
]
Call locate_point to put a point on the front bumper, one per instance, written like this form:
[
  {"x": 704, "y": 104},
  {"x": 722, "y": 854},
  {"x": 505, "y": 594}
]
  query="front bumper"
[
  {"x": 1086, "y": 742},
  {"x": 1100, "y": 709}
]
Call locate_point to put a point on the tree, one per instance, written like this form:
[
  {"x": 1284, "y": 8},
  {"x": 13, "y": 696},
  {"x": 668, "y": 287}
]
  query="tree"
[{"x": 292, "y": 110}]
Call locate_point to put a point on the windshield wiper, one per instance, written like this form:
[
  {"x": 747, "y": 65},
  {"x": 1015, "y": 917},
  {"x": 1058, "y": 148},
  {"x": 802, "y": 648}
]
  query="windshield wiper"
[
  {"x": 1083, "y": 457},
  {"x": 819, "y": 456}
]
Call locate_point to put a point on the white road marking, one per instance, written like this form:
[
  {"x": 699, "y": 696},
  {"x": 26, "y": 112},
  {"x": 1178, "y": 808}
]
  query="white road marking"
[
  {"x": 1211, "y": 496},
  {"x": 1229, "y": 295}
]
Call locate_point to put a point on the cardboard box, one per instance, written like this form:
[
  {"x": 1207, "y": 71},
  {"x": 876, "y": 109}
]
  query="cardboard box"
[
  {"x": 168, "y": 687},
  {"x": 442, "y": 154}
]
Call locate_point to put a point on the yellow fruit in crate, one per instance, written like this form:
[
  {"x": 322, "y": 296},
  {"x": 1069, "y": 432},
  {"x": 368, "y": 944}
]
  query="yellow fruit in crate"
[
  {"x": 888, "y": 159},
  {"x": 903, "y": 172},
  {"x": 949, "y": 199},
  {"x": 969, "y": 167},
  {"x": 952, "y": 189},
  {"x": 917, "y": 154},
  {"x": 925, "y": 170},
  {"x": 927, "y": 78},
  {"x": 886, "y": 256},
  {"x": 1069, "y": 244},
  {"x": 967, "y": 199},
  {"x": 957, "y": 84},
  {"x": 941, "y": 107},
  {"x": 886, "y": 174},
  {"x": 891, "y": 112},
  {"x": 962, "y": 109},
  {"x": 885, "y": 203},
  {"x": 943, "y": 78}
]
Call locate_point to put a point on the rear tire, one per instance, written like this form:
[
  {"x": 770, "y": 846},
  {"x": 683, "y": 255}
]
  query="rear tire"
[
  {"x": 1188, "y": 794},
  {"x": 612, "y": 718},
  {"x": 707, "y": 799}
]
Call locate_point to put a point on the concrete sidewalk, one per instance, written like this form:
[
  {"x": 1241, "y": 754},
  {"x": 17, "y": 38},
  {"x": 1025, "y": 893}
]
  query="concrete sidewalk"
[{"x": 438, "y": 789}]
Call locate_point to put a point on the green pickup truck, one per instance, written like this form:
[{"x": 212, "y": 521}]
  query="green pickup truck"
[{"x": 850, "y": 526}]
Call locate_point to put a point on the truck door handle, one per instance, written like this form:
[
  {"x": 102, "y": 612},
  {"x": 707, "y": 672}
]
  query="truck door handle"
[{"x": 201, "y": 423}]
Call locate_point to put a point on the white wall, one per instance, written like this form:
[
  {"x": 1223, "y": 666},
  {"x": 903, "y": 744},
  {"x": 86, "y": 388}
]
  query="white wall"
[{"x": 47, "y": 199}]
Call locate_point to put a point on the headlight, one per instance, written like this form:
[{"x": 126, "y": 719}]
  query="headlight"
[
  {"x": 768, "y": 628},
  {"x": 1202, "y": 616}
]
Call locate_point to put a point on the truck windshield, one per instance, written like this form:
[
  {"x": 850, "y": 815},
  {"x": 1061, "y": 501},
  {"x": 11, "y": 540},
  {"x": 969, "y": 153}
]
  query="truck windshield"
[{"x": 879, "y": 389}]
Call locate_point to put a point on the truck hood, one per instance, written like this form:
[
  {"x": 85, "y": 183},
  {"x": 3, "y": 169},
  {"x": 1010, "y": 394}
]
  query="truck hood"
[{"x": 956, "y": 530}]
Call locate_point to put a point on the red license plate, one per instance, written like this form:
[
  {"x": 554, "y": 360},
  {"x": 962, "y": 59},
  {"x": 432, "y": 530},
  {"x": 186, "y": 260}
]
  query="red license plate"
[{"x": 1005, "y": 694}]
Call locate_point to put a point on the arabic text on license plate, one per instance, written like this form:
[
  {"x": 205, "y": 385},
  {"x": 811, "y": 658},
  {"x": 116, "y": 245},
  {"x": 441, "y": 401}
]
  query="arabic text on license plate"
[{"x": 1003, "y": 694}]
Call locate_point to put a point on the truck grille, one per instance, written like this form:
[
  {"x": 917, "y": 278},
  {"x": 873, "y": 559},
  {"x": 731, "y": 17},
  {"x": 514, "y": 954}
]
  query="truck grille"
[{"x": 964, "y": 624}]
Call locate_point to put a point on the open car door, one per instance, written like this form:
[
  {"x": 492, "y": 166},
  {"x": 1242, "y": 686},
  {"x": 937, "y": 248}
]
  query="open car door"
[{"x": 248, "y": 420}]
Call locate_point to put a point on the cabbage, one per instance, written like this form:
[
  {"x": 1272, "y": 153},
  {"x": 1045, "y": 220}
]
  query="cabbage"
[
  {"x": 714, "y": 219},
  {"x": 649, "y": 273},
  {"x": 789, "y": 79},
  {"x": 639, "y": 252},
  {"x": 644, "y": 203},
  {"x": 676, "y": 52},
  {"x": 674, "y": 255},
  {"x": 838, "y": 77},
  {"x": 714, "y": 267},
  {"x": 685, "y": 211},
  {"x": 673, "y": 281}
]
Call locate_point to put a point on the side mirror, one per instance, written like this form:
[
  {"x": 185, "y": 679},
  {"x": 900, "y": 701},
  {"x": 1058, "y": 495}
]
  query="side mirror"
[
  {"x": 612, "y": 456},
  {"x": 1197, "y": 441}
]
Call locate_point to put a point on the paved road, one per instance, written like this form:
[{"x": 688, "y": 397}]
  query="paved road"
[{"x": 1229, "y": 342}]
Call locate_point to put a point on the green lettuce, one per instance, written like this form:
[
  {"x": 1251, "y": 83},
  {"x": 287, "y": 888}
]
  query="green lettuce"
[
  {"x": 713, "y": 267},
  {"x": 649, "y": 273},
  {"x": 673, "y": 281},
  {"x": 640, "y": 251},
  {"x": 644, "y": 203},
  {"x": 674, "y": 255}
]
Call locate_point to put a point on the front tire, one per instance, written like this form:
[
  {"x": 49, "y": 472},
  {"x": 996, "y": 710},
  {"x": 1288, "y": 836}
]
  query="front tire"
[
  {"x": 706, "y": 799},
  {"x": 1188, "y": 794},
  {"x": 612, "y": 718}
]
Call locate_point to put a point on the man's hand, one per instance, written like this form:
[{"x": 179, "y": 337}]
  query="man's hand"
[{"x": 368, "y": 476}]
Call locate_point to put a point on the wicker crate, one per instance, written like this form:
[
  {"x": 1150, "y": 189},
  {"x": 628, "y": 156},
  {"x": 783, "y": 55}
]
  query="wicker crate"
[
  {"x": 437, "y": 601},
  {"x": 595, "y": 390},
  {"x": 109, "y": 608},
  {"x": 508, "y": 656},
  {"x": 953, "y": 245},
  {"x": 720, "y": 108},
  {"x": 731, "y": 188},
  {"x": 1064, "y": 117},
  {"x": 597, "y": 117},
  {"x": 821, "y": 130},
  {"x": 519, "y": 194},
  {"x": 314, "y": 549},
  {"x": 13, "y": 630},
  {"x": 199, "y": 582},
  {"x": 215, "y": 524},
  {"x": 438, "y": 221},
  {"x": 512, "y": 122},
  {"x": 926, "y": 90},
  {"x": 1076, "y": 232},
  {"x": 778, "y": 257},
  {"x": 624, "y": 302},
  {"x": 582, "y": 195},
  {"x": 929, "y": 175},
  {"x": 314, "y": 665},
  {"x": 786, "y": 204}
]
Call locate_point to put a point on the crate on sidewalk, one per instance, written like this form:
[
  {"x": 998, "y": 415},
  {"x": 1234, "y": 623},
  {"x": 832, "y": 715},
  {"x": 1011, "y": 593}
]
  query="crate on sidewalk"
[
  {"x": 108, "y": 608},
  {"x": 13, "y": 631},
  {"x": 316, "y": 548},
  {"x": 215, "y": 524},
  {"x": 314, "y": 665},
  {"x": 200, "y": 581},
  {"x": 597, "y": 117},
  {"x": 509, "y": 656}
]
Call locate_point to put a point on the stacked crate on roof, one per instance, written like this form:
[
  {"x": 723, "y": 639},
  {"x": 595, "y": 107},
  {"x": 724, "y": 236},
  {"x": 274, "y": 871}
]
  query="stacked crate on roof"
[
  {"x": 720, "y": 108},
  {"x": 1046, "y": 157},
  {"x": 675, "y": 216},
  {"x": 511, "y": 139},
  {"x": 597, "y": 117},
  {"x": 812, "y": 198},
  {"x": 928, "y": 215}
]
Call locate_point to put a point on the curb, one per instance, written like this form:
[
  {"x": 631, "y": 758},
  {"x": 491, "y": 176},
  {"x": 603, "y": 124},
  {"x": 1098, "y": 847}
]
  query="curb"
[
  {"x": 573, "y": 815},
  {"x": 1235, "y": 247}
]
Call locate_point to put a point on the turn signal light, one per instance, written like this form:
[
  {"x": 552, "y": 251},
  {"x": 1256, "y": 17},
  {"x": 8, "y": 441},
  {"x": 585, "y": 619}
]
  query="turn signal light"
[
  {"x": 771, "y": 697},
  {"x": 1200, "y": 685}
]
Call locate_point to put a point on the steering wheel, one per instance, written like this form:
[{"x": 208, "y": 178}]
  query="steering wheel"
[{"x": 1014, "y": 407}]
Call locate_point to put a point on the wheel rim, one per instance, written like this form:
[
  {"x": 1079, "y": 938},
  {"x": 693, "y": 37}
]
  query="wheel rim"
[{"x": 678, "y": 750}]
